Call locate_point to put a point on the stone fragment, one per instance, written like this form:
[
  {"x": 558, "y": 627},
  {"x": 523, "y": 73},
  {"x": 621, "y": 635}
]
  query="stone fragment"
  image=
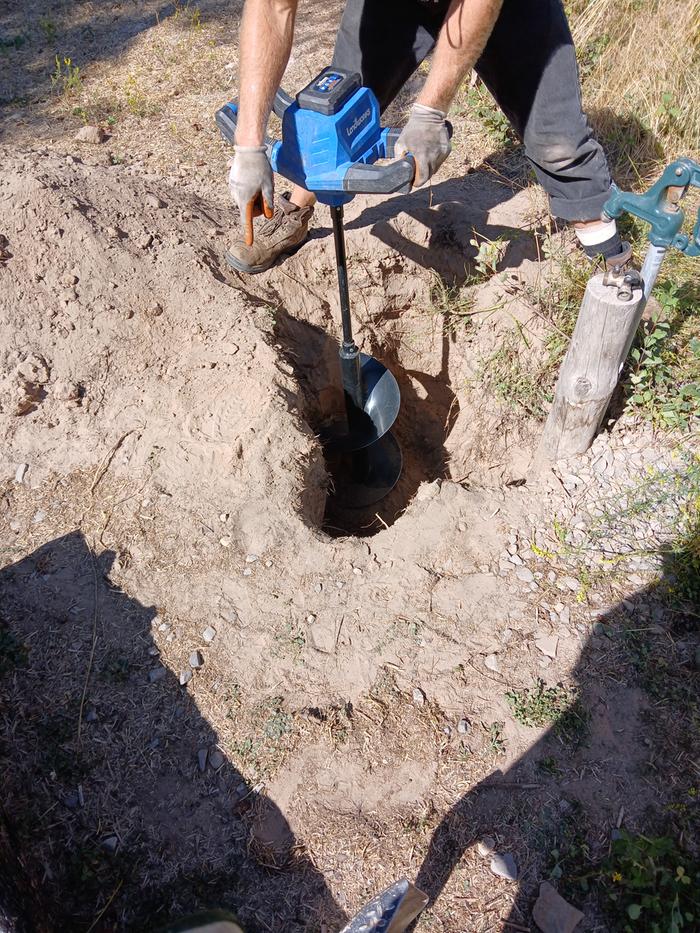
[
  {"x": 196, "y": 660},
  {"x": 463, "y": 726},
  {"x": 503, "y": 865},
  {"x": 209, "y": 634},
  {"x": 216, "y": 758},
  {"x": 524, "y": 574},
  {"x": 158, "y": 673},
  {"x": 90, "y": 134},
  {"x": 21, "y": 472},
  {"x": 202, "y": 756},
  {"x": 185, "y": 677},
  {"x": 110, "y": 843},
  {"x": 418, "y": 696},
  {"x": 553, "y": 914},
  {"x": 486, "y": 846},
  {"x": 548, "y": 645},
  {"x": 491, "y": 662}
]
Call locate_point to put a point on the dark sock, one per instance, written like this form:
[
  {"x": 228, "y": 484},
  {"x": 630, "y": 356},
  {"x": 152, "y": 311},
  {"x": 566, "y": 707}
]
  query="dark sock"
[{"x": 606, "y": 249}]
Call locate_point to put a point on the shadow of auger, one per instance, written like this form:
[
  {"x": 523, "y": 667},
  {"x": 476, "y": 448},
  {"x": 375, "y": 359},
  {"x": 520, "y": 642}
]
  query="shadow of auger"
[{"x": 124, "y": 815}]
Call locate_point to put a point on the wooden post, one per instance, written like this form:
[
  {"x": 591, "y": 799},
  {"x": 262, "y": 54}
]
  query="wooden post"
[{"x": 591, "y": 369}]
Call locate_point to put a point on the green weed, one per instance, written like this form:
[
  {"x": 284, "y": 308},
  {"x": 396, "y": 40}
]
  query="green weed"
[
  {"x": 66, "y": 79},
  {"x": 12, "y": 42},
  {"x": 664, "y": 376},
  {"x": 651, "y": 885},
  {"x": 496, "y": 741},
  {"x": 12, "y": 652},
  {"x": 490, "y": 115},
  {"x": 136, "y": 99},
  {"x": 558, "y": 706},
  {"x": 489, "y": 254},
  {"x": 48, "y": 27},
  {"x": 454, "y": 304}
]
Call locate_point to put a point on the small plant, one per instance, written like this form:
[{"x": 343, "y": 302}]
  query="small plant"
[
  {"x": 651, "y": 885},
  {"x": 489, "y": 253},
  {"x": 66, "y": 78},
  {"x": 48, "y": 27},
  {"x": 496, "y": 741},
  {"x": 136, "y": 99},
  {"x": 12, "y": 42},
  {"x": 542, "y": 706},
  {"x": 490, "y": 115},
  {"x": 656, "y": 389},
  {"x": 456, "y": 305},
  {"x": 278, "y": 722},
  {"x": 12, "y": 652}
]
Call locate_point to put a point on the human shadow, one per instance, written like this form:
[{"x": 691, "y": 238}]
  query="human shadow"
[
  {"x": 455, "y": 212},
  {"x": 621, "y": 752},
  {"x": 122, "y": 810}
]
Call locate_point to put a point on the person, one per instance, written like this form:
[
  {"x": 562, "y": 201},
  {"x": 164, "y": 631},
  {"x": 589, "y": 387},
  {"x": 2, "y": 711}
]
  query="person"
[{"x": 521, "y": 49}]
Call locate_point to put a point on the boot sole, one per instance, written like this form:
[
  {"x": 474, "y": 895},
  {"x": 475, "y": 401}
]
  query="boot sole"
[{"x": 241, "y": 266}]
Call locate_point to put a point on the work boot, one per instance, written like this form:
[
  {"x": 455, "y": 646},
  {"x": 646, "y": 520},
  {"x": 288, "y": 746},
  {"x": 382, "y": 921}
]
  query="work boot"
[{"x": 284, "y": 233}]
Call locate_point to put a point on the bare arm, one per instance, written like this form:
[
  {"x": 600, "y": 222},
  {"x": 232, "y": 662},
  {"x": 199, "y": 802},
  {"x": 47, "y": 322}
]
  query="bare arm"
[
  {"x": 265, "y": 43},
  {"x": 462, "y": 38}
]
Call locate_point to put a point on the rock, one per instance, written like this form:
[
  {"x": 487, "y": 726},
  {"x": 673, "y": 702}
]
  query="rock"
[
  {"x": 110, "y": 843},
  {"x": 463, "y": 726},
  {"x": 418, "y": 696},
  {"x": 504, "y": 866},
  {"x": 66, "y": 391},
  {"x": 91, "y": 715},
  {"x": 202, "y": 756},
  {"x": 196, "y": 660},
  {"x": 491, "y": 662},
  {"x": 185, "y": 677},
  {"x": 514, "y": 559},
  {"x": 486, "y": 846},
  {"x": 158, "y": 673},
  {"x": 90, "y": 134},
  {"x": 39, "y": 517},
  {"x": 225, "y": 541},
  {"x": 216, "y": 758},
  {"x": 21, "y": 472},
  {"x": 209, "y": 634},
  {"x": 251, "y": 558},
  {"x": 565, "y": 616},
  {"x": 153, "y": 651},
  {"x": 152, "y": 200},
  {"x": 572, "y": 584},
  {"x": 311, "y": 618},
  {"x": 524, "y": 574},
  {"x": 547, "y": 644},
  {"x": 552, "y": 913}
]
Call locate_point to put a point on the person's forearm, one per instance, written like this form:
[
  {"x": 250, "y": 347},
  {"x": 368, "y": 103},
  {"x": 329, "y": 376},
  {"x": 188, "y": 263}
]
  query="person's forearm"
[
  {"x": 265, "y": 42},
  {"x": 462, "y": 38}
]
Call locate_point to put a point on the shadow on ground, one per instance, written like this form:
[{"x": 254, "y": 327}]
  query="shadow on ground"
[
  {"x": 211, "y": 841},
  {"x": 177, "y": 837}
]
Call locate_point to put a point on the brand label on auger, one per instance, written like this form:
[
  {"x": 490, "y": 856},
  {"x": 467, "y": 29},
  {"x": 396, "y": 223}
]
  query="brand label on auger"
[{"x": 358, "y": 121}]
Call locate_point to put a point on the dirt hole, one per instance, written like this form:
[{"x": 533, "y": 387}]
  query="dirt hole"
[{"x": 429, "y": 410}]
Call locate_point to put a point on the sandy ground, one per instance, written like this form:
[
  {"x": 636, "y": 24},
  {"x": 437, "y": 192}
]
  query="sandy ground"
[{"x": 219, "y": 692}]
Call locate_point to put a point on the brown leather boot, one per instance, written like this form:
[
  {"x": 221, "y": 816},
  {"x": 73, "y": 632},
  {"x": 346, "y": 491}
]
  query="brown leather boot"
[{"x": 284, "y": 233}]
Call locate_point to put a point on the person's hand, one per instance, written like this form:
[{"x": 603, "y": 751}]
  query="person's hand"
[
  {"x": 251, "y": 185},
  {"x": 427, "y": 138}
]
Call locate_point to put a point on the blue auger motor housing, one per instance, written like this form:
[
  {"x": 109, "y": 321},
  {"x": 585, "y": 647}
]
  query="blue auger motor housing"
[{"x": 331, "y": 138}]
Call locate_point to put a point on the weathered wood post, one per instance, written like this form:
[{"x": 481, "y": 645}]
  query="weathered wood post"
[{"x": 591, "y": 369}]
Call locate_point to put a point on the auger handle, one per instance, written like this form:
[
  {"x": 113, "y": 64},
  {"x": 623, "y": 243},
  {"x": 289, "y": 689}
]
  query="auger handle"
[
  {"x": 362, "y": 178},
  {"x": 660, "y": 207},
  {"x": 227, "y": 121}
]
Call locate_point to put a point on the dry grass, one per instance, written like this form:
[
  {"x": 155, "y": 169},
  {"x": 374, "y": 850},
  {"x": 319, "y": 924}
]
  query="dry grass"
[{"x": 640, "y": 64}]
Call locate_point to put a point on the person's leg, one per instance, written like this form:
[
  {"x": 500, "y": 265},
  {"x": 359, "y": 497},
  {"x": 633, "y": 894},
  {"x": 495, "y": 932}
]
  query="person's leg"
[{"x": 529, "y": 65}]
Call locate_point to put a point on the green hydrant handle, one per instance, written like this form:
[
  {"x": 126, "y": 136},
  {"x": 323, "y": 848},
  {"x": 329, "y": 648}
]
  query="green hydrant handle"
[{"x": 660, "y": 207}]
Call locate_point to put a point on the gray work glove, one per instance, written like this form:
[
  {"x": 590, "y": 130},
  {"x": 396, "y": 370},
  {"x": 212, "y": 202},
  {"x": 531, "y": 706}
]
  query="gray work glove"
[
  {"x": 427, "y": 139},
  {"x": 251, "y": 185}
]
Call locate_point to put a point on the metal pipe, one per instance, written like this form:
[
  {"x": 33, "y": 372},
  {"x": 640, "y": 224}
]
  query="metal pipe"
[
  {"x": 650, "y": 269},
  {"x": 350, "y": 363}
]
